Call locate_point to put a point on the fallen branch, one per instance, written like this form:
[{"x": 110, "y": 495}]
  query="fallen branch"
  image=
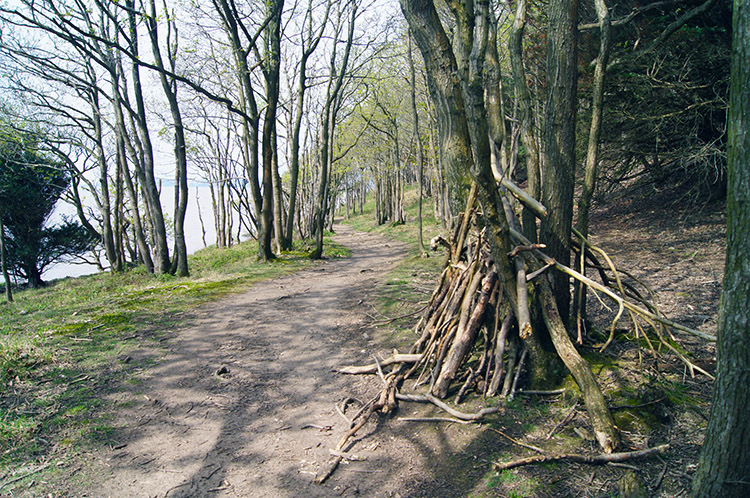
[
  {"x": 601, "y": 459},
  {"x": 434, "y": 419},
  {"x": 407, "y": 315},
  {"x": 428, "y": 398},
  {"x": 541, "y": 393},
  {"x": 612, "y": 295},
  {"x": 373, "y": 367},
  {"x": 596, "y": 406}
]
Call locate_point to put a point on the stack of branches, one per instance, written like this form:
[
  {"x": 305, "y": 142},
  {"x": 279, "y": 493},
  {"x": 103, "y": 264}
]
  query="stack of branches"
[{"x": 470, "y": 337}]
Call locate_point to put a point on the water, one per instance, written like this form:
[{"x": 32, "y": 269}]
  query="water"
[{"x": 193, "y": 232}]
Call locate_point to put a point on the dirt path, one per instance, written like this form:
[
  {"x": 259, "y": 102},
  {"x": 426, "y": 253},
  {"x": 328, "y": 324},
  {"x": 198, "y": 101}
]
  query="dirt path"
[{"x": 263, "y": 425}]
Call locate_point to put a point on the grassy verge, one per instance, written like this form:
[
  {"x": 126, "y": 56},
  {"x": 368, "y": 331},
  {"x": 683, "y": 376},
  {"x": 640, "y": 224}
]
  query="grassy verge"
[{"x": 64, "y": 346}]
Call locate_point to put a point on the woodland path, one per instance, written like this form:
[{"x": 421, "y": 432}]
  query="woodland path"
[{"x": 265, "y": 427}]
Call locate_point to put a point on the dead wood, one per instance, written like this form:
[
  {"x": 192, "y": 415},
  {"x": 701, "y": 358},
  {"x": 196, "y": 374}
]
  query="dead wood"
[
  {"x": 428, "y": 398},
  {"x": 500, "y": 338},
  {"x": 519, "y": 443},
  {"x": 564, "y": 421},
  {"x": 469, "y": 331},
  {"x": 588, "y": 459},
  {"x": 373, "y": 367},
  {"x": 434, "y": 419},
  {"x": 518, "y": 373},
  {"x": 601, "y": 419},
  {"x": 465, "y": 337}
]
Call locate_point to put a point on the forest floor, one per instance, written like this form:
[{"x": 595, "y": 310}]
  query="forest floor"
[{"x": 244, "y": 401}]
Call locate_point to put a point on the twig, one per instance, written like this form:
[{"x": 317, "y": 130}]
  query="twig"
[
  {"x": 563, "y": 422},
  {"x": 659, "y": 479},
  {"x": 385, "y": 322},
  {"x": 373, "y": 367},
  {"x": 78, "y": 379},
  {"x": 434, "y": 419},
  {"x": 516, "y": 250},
  {"x": 346, "y": 456},
  {"x": 623, "y": 466},
  {"x": 622, "y": 407},
  {"x": 518, "y": 374},
  {"x": 592, "y": 460},
  {"x": 380, "y": 371},
  {"x": 531, "y": 276},
  {"x": 519, "y": 443},
  {"x": 341, "y": 410}
]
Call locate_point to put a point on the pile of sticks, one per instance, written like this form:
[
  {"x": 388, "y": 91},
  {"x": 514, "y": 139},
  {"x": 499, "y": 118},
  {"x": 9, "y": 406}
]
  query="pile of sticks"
[{"x": 472, "y": 339}]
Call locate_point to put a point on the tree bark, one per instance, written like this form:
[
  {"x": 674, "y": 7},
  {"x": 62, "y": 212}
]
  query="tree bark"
[
  {"x": 335, "y": 82},
  {"x": 103, "y": 198},
  {"x": 558, "y": 169},
  {"x": 271, "y": 72},
  {"x": 307, "y": 51},
  {"x": 724, "y": 465},
  {"x": 150, "y": 188},
  {"x": 464, "y": 135}
]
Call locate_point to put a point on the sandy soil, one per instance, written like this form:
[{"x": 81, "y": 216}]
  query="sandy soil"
[{"x": 243, "y": 403}]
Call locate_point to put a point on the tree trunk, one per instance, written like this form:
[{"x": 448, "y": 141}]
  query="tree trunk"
[
  {"x": 278, "y": 200},
  {"x": 420, "y": 150},
  {"x": 273, "y": 59},
  {"x": 601, "y": 419},
  {"x": 592, "y": 152},
  {"x": 463, "y": 128},
  {"x": 180, "y": 263},
  {"x": 151, "y": 190},
  {"x": 103, "y": 198},
  {"x": 307, "y": 51},
  {"x": 4, "y": 264},
  {"x": 724, "y": 464},
  {"x": 558, "y": 169},
  {"x": 126, "y": 148},
  {"x": 335, "y": 82}
]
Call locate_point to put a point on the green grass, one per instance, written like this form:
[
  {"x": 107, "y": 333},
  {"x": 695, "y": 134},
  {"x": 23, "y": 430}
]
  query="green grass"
[{"x": 59, "y": 346}]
